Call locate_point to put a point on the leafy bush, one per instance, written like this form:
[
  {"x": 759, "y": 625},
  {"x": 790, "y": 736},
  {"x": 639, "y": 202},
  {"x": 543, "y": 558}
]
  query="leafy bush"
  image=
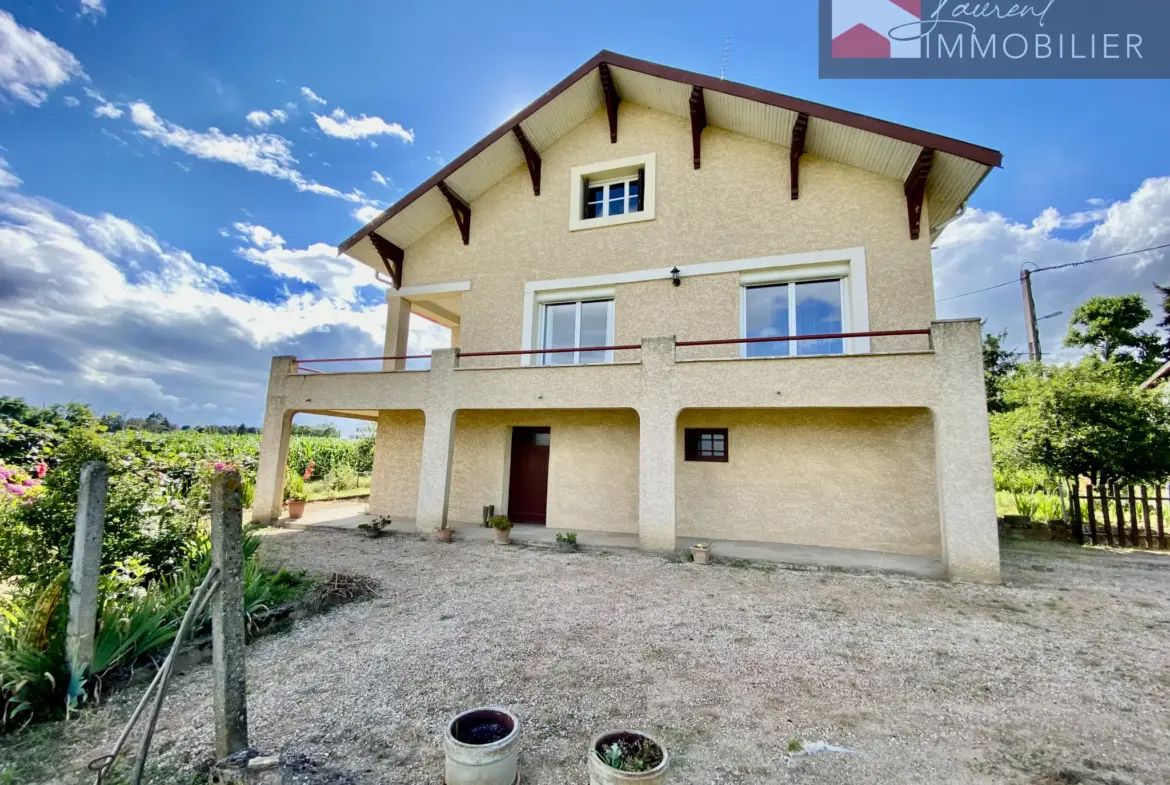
[
  {"x": 294, "y": 488},
  {"x": 139, "y": 613},
  {"x": 341, "y": 477},
  {"x": 500, "y": 522},
  {"x": 567, "y": 537}
]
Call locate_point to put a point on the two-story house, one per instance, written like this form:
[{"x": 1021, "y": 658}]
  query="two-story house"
[{"x": 680, "y": 307}]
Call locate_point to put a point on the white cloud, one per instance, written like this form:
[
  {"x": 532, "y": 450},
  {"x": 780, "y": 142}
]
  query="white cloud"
[
  {"x": 366, "y": 213},
  {"x": 93, "y": 8},
  {"x": 8, "y": 178},
  {"x": 137, "y": 324},
  {"x": 338, "y": 277},
  {"x": 261, "y": 119},
  {"x": 984, "y": 248},
  {"x": 71, "y": 102},
  {"x": 311, "y": 96},
  {"x": 104, "y": 108},
  {"x": 30, "y": 64},
  {"x": 341, "y": 126},
  {"x": 269, "y": 154},
  {"x": 378, "y": 178}
]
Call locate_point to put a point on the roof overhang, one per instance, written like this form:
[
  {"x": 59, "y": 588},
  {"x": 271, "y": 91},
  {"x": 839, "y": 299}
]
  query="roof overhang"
[{"x": 952, "y": 174}]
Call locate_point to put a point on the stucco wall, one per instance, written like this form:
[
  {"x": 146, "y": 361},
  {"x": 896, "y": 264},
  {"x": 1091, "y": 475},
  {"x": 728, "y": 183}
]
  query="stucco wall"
[
  {"x": 592, "y": 475},
  {"x": 852, "y": 478},
  {"x": 737, "y": 206},
  {"x": 397, "y": 460}
]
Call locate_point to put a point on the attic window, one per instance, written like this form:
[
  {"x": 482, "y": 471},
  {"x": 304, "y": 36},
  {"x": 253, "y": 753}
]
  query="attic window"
[{"x": 612, "y": 192}]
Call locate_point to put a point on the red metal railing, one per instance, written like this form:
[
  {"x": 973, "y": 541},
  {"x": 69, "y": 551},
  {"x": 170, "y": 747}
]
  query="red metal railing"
[
  {"x": 619, "y": 347},
  {"x": 821, "y": 337}
]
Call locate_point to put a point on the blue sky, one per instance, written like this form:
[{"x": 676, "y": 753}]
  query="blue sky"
[{"x": 106, "y": 108}]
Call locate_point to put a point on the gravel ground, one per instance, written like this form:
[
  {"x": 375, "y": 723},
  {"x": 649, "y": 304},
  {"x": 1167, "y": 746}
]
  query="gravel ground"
[{"x": 1055, "y": 677}]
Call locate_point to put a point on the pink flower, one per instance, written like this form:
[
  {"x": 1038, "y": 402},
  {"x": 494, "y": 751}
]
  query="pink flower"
[
  {"x": 42, "y": 469},
  {"x": 219, "y": 466},
  {"x": 308, "y": 475},
  {"x": 15, "y": 490},
  {"x": 5, "y": 474},
  {"x": 29, "y": 483}
]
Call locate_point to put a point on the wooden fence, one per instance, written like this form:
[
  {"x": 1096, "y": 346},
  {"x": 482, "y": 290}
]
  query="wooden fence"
[{"x": 1135, "y": 520}]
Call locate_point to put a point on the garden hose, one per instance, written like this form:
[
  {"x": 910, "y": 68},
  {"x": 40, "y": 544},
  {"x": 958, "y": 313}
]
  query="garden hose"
[{"x": 158, "y": 686}]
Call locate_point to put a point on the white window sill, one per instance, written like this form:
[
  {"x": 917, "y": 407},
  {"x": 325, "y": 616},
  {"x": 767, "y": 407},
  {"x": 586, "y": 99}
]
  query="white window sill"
[{"x": 609, "y": 220}]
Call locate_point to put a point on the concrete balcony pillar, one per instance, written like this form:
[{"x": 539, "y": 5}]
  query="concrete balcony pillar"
[
  {"x": 657, "y": 418},
  {"x": 434, "y": 482},
  {"x": 397, "y": 331},
  {"x": 966, "y": 485},
  {"x": 269, "y": 493}
]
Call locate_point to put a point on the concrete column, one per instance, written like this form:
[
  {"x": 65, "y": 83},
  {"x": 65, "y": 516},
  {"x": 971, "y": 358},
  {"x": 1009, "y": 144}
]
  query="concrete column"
[
  {"x": 397, "y": 331},
  {"x": 87, "y": 565},
  {"x": 434, "y": 481},
  {"x": 657, "y": 418},
  {"x": 269, "y": 495},
  {"x": 966, "y": 486},
  {"x": 229, "y": 688}
]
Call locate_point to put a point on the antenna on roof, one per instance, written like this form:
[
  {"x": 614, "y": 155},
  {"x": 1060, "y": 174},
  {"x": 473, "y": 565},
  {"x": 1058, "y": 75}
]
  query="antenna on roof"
[{"x": 726, "y": 52}]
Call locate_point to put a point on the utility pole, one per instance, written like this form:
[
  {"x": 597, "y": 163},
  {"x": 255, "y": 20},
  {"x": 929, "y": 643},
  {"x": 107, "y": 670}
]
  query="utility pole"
[{"x": 1030, "y": 317}]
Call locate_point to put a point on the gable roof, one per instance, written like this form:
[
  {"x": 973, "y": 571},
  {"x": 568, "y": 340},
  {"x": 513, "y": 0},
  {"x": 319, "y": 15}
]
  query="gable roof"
[{"x": 855, "y": 139}]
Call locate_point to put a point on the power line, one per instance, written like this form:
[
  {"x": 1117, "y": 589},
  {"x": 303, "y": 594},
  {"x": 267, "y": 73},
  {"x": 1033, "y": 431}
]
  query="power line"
[{"x": 1058, "y": 267}]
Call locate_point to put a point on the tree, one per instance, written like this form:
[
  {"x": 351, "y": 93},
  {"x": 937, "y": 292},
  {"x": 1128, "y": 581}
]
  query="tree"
[
  {"x": 324, "y": 429},
  {"x": 1107, "y": 326},
  {"x": 1165, "y": 322},
  {"x": 1082, "y": 420},
  {"x": 998, "y": 364}
]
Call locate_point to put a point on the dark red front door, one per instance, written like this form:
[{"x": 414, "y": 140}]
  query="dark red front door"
[{"x": 528, "y": 485}]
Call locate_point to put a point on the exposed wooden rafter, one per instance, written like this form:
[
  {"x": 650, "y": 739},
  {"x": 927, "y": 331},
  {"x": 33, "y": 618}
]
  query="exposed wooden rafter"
[
  {"x": 698, "y": 121},
  {"x": 459, "y": 209},
  {"x": 799, "y": 131},
  {"x": 916, "y": 189},
  {"x": 611, "y": 100},
  {"x": 392, "y": 257},
  {"x": 530, "y": 156}
]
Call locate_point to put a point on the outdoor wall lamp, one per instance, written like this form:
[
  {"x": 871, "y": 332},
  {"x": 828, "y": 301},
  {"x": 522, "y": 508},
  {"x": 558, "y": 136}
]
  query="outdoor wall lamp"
[{"x": 674, "y": 277}]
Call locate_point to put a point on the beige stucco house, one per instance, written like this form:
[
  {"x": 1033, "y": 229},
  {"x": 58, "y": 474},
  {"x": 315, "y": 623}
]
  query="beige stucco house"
[{"x": 673, "y": 235}]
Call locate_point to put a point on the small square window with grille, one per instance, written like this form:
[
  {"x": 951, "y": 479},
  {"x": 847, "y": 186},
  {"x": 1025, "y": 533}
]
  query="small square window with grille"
[{"x": 705, "y": 444}]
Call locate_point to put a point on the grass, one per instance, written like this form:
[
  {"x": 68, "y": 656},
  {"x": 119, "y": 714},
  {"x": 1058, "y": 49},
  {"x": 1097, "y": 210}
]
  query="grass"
[{"x": 317, "y": 490}]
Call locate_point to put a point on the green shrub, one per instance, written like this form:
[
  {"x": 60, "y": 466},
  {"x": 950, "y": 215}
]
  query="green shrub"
[
  {"x": 500, "y": 522},
  {"x": 341, "y": 477},
  {"x": 567, "y": 537},
  {"x": 294, "y": 488}
]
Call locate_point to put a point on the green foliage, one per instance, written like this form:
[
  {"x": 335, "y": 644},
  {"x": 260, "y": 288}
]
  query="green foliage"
[
  {"x": 1107, "y": 326},
  {"x": 32, "y": 651},
  {"x": 502, "y": 523},
  {"x": 1081, "y": 420},
  {"x": 325, "y": 429},
  {"x": 567, "y": 537},
  {"x": 630, "y": 755},
  {"x": 341, "y": 477},
  {"x": 998, "y": 365},
  {"x": 294, "y": 488}
]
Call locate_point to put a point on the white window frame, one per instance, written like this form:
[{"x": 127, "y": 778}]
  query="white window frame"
[
  {"x": 607, "y": 172},
  {"x": 564, "y": 298},
  {"x": 605, "y": 185},
  {"x": 841, "y": 280}
]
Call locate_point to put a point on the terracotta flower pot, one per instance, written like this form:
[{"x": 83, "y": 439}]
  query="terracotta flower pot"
[
  {"x": 446, "y": 535},
  {"x": 296, "y": 509},
  {"x": 503, "y": 536},
  {"x": 701, "y": 555}
]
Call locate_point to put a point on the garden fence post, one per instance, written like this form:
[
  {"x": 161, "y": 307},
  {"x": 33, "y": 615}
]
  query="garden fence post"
[
  {"x": 87, "y": 566},
  {"x": 229, "y": 694}
]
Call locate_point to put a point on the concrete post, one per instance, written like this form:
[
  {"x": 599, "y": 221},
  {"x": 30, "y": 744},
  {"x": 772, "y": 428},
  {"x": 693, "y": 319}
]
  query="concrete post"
[
  {"x": 657, "y": 419},
  {"x": 87, "y": 564},
  {"x": 434, "y": 482},
  {"x": 397, "y": 331},
  {"x": 269, "y": 496},
  {"x": 229, "y": 689},
  {"x": 966, "y": 485}
]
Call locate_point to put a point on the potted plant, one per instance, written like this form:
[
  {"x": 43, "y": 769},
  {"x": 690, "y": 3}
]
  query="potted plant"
[
  {"x": 701, "y": 552},
  {"x": 482, "y": 746},
  {"x": 503, "y": 528},
  {"x": 294, "y": 495},
  {"x": 445, "y": 533},
  {"x": 626, "y": 756},
  {"x": 566, "y": 541}
]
